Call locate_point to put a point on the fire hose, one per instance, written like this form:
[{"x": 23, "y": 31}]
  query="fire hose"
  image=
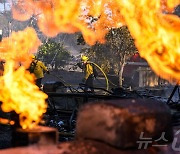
[
  {"x": 107, "y": 81},
  {"x": 106, "y": 78}
]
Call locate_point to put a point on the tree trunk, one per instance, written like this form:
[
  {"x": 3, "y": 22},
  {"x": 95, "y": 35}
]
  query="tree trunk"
[{"x": 122, "y": 64}]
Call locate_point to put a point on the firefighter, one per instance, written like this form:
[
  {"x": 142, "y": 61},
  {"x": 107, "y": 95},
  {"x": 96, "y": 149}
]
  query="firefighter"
[
  {"x": 38, "y": 68},
  {"x": 88, "y": 73}
]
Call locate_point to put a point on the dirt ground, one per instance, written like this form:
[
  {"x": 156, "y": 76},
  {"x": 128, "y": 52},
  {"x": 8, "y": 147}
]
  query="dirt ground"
[{"x": 73, "y": 78}]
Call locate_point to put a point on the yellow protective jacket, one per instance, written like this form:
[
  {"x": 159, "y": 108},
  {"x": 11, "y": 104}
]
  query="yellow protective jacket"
[
  {"x": 88, "y": 70},
  {"x": 39, "y": 69}
]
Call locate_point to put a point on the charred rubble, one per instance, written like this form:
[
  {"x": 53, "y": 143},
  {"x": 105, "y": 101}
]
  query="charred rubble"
[{"x": 89, "y": 121}]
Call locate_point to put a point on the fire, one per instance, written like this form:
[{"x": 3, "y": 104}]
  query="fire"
[
  {"x": 18, "y": 47},
  {"x": 67, "y": 16},
  {"x": 18, "y": 91},
  {"x": 156, "y": 33},
  {"x": 6, "y": 121},
  {"x": 155, "y": 29}
]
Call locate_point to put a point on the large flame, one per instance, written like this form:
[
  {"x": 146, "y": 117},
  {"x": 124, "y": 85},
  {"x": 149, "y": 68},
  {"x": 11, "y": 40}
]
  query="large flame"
[
  {"x": 18, "y": 91},
  {"x": 55, "y": 16},
  {"x": 156, "y": 32}
]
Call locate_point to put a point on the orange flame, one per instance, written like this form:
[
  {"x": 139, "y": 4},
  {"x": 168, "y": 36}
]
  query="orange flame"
[
  {"x": 17, "y": 89},
  {"x": 157, "y": 34},
  {"x": 6, "y": 121},
  {"x": 55, "y": 16},
  {"x": 18, "y": 47}
]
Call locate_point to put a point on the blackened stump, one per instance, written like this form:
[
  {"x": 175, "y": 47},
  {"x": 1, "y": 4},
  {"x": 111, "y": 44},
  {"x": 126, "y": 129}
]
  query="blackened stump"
[{"x": 40, "y": 136}]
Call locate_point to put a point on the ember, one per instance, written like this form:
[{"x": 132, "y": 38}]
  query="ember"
[{"x": 6, "y": 121}]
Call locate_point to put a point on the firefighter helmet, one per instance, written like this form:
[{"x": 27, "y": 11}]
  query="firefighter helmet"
[
  {"x": 84, "y": 58},
  {"x": 33, "y": 56}
]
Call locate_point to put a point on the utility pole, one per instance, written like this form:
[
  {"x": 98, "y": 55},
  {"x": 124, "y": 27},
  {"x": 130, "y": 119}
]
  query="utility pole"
[
  {"x": 0, "y": 35},
  {"x": 4, "y": 5}
]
